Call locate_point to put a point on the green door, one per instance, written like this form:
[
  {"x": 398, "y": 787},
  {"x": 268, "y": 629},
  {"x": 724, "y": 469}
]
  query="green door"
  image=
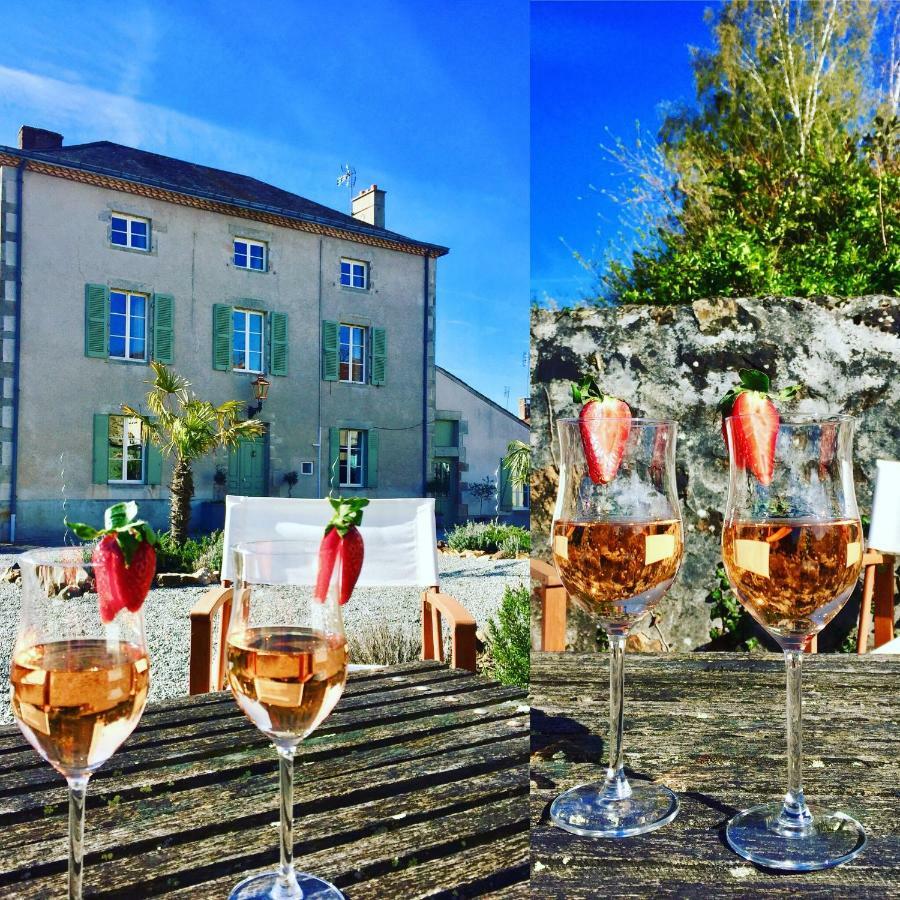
[
  {"x": 446, "y": 489},
  {"x": 247, "y": 467}
]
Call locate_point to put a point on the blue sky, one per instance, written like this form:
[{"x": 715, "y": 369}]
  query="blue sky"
[
  {"x": 595, "y": 66},
  {"x": 430, "y": 102}
]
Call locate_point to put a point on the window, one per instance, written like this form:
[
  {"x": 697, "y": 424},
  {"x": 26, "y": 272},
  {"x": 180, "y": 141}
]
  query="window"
[
  {"x": 351, "y": 462},
  {"x": 353, "y": 354},
  {"x": 129, "y": 231},
  {"x": 126, "y": 450},
  {"x": 250, "y": 254},
  {"x": 247, "y": 341},
  {"x": 127, "y": 325},
  {"x": 520, "y": 496},
  {"x": 306, "y": 468},
  {"x": 354, "y": 273}
]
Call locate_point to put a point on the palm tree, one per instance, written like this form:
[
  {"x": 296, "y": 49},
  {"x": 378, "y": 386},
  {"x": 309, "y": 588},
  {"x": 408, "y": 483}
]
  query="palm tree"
[
  {"x": 186, "y": 428},
  {"x": 518, "y": 462}
]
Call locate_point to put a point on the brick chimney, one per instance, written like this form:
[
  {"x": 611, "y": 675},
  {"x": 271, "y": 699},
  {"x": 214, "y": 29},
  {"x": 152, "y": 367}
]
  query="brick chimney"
[
  {"x": 525, "y": 409},
  {"x": 31, "y": 138},
  {"x": 368, "y": 206}
]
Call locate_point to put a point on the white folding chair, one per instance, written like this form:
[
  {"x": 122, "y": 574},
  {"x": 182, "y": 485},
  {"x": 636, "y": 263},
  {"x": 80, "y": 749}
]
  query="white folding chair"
[
  {"x": 400, "y": 550},
  {"x": 883, "y": 547}
]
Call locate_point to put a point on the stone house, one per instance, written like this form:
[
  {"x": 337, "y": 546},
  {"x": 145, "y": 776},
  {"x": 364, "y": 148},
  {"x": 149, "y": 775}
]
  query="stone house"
[
  {"x": 111, "y": 257},
  {"x": 471, "y": 436}
]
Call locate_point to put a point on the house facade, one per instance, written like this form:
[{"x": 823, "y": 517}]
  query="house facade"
[
  {"x": 111, "y": 257},
  {"x": 471, "y": 436}
]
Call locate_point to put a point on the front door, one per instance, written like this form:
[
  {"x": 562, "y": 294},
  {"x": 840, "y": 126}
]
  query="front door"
[
  {"x": 247, "y": 467},
  {"x": 446, "y": 489}
]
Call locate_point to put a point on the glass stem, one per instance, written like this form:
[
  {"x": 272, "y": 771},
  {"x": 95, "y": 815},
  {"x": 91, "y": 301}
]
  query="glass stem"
[
  {"x": 616, "y": 786},
  {"x": 287, "y": 887},
  {"x": 795, "y": 815},
  {"x": 77, "y": 794}
]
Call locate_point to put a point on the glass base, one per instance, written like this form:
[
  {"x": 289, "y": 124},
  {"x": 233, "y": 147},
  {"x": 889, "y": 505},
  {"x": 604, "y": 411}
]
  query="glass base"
[
  {"x": 584, "y": 810},
  {"x": 832, "y": 839},
  {"x": 268, "y": 887}
]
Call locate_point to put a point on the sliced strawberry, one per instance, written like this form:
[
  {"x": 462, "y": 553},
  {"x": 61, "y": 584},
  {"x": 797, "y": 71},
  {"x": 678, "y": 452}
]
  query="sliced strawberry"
[
  {"x": 605, "y": 423},
  {"x": 341, "y": 539},
  {"x": 753, "y": 438},
  {"x": 124, "y": 559},
  {"x": 352, "y": 552},
  {"x": 754, "y": 424},
  {"x": 328, "y": 554}
]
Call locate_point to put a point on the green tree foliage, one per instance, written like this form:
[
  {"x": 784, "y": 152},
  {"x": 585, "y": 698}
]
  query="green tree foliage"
[{"x": 784, "y": 177}]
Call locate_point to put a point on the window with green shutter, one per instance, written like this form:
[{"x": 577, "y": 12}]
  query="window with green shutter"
[
  {"x": 163, "y": 327},
  {"x": 222, "y": 337},
  {"x": 96, "y": 320},
  {"x": 334, "y": 457},
  {"x": 101, "y": 449},
  {"x": 278, "y": 343},
  {"x": 330, "y": 351},
  {"x": 379, "y": 355}
]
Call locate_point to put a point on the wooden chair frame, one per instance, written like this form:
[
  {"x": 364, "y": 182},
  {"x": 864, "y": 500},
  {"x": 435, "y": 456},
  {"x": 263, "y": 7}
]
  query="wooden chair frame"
[
  {"x": 553, "y": 600},
  {"x": 878, "y": 586},
  {"x": 436, "y": 607}
]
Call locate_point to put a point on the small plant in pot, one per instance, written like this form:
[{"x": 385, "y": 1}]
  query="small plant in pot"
[{"x": 290, "y": 479}]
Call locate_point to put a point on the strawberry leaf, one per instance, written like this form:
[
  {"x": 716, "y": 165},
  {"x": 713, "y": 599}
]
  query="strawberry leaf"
[
  {"x": 128, "y": 544},
  {"x": 587, "y": 390},
  {"x": 119, "y": 515},
  {"x": 82, "y": 531},
  {"x": 788, "y": 393},
  {"x": 754, "y": 380}
]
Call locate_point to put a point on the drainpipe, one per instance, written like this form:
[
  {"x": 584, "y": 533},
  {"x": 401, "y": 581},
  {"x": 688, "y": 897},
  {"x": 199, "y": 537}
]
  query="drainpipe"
[
  {"x": 425, "y": 380},
  {"x": 318, "y": 443},
  {"x": 14, "y": 466}
]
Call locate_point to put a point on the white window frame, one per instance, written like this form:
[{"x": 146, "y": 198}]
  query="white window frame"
[
  {"x": 125, "y": 446},
  {"x": 250, "y": 243},
  {"x": 355, "y": 264},
  {"x": 129, "y": 233},
  {"x": 306, "y": 467},
  {"x": 345, "y": 448},
  {"x": 519, "y": 496},
  {"x": 262, "y": 343},
  {"x": 364, "y": 342},
  {"x": 129, "y": 295}
]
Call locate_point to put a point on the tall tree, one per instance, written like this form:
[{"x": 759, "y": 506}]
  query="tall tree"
[
  {"x": 771, "y": 187},
  {"x": 187, "y": 428}
]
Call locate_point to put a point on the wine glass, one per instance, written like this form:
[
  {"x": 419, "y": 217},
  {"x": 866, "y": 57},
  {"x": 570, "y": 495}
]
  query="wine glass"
[
  {"x": 793, "y": 551},
  {"x": 287, "y": 664},
  {"x": 78, "y": 685},
  {"x": 617, "y": 548}
]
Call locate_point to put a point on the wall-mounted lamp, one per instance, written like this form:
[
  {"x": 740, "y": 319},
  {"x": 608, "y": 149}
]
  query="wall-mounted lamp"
[{"x": 260, "y": 387}]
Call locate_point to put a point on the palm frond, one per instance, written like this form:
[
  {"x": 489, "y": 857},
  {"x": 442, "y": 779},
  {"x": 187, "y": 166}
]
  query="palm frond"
[{"x": 518, "y": 462}]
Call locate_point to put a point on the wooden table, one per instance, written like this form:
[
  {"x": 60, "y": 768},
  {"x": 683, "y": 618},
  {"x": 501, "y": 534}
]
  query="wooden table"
[
  {"x": 711, "y": 727},
  {"x": 417, "y": 783}
]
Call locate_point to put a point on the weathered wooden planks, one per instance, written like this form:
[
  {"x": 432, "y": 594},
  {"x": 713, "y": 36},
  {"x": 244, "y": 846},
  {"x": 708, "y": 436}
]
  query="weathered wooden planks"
[
  {"x": 419, "y": 768},
  {"x": 711, "y": 727}
]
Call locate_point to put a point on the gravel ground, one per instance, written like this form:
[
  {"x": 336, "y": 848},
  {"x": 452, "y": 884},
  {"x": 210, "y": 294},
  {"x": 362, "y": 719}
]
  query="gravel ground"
[{"x": 476, "y": 582}]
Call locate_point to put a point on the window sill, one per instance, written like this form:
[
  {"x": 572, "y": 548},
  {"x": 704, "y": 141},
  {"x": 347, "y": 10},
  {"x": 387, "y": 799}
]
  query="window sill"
[
  {"x": 146, "y": 252},
  {"x": 129, "y": 362},
  {"x": 247, "y": 372},
  {"x": 355, "y": 290},
  {"x": 126, "y": 484},
  {"x": 248, "y": 269}
]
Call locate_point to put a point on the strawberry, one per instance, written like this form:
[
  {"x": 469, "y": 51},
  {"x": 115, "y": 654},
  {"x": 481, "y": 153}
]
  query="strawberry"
[
  {"x": 755, "y": 422},
  {"x": 343, "y": 541},
  {"x": 124, "y": 559},
  {"x": 604, "y": 422}
]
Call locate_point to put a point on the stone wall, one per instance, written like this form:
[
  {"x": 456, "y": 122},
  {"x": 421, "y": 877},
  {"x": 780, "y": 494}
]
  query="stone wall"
[{"x": 677, "y": 361}]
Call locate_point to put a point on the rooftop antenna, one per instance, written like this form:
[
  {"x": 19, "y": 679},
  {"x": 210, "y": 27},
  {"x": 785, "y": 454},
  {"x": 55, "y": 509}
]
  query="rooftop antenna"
[{"x": 348, "y": 177}]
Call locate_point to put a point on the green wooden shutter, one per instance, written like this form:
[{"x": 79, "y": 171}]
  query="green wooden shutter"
[
  {"x": 372, "y": 459},
  {"x": 334, "y": 456},
  {"x": 278, "y": 343},
  {"x": 101, "y": 449},
  {"x": 505, "y": 488},
  {"x": 163, "y": 327},
  {"x": 96, "y": 321},
  {"x": 379, "y": 355},
  {"x": 153, "y": 461},
  {"x": 223, "y": 339},
  {"x": 330, "y": 350}
]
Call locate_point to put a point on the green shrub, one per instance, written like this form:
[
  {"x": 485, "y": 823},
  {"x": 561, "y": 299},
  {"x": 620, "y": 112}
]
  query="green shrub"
[
  {"x": 191, "y": 555},
  {"x": 490, "y": 537},
  {"x": 737, "y": 623},
  {"x": 509, "y": 638}
]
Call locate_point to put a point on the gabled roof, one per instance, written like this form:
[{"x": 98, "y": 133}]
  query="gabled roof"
[
  {"x": 480, "y": 396},
  {"x": 127, "y": 164}
]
